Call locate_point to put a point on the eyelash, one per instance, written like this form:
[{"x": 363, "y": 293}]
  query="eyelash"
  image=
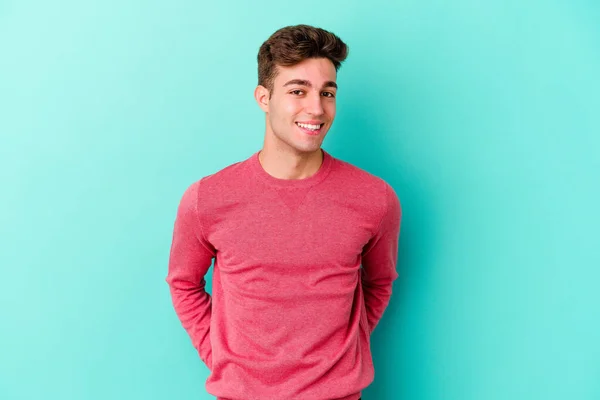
[{"x": 332, "y": 95}]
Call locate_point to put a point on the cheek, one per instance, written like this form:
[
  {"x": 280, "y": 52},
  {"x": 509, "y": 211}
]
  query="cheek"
[
  {"x": 330, "y": 109},
  {"x": 291, "y": 108},
  {"x": 287, "y": 106},
  {"x": 285, "y": 113}
]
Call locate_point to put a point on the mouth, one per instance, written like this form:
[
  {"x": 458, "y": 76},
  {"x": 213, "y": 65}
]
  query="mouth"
[{"x": 310, "y": 129}]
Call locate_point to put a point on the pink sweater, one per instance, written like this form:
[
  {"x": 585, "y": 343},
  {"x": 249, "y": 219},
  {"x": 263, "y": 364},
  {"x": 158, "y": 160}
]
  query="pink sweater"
[{"x": 291, "y": 311}]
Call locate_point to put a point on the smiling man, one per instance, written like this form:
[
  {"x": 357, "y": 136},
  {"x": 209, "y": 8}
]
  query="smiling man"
[{"x": 304, "y": 244}]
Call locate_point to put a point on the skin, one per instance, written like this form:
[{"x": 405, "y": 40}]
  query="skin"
[{"x": 288, "y": 152}]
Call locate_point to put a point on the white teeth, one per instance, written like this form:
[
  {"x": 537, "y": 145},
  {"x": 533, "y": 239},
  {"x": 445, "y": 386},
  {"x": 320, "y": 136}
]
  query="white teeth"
[{"x": 308, "y": 126}]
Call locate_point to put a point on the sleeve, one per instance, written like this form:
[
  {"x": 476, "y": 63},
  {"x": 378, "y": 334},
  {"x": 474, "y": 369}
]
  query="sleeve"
[
  {"x": 379, "y": 260},
  {"x": 190, "y": 258}
]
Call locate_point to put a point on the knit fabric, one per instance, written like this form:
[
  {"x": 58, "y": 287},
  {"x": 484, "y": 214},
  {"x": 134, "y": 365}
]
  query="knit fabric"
[{"x": 303, "y": 271}]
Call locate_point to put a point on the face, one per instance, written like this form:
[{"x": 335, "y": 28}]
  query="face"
[{"x": 301, "y": 106}]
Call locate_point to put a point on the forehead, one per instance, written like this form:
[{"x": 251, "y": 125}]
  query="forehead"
[{"x": 315, "y": 70}]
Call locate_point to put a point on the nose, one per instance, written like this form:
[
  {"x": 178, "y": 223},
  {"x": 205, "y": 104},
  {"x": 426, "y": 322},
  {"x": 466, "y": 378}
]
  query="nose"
[{"x": 314, "y": 104}]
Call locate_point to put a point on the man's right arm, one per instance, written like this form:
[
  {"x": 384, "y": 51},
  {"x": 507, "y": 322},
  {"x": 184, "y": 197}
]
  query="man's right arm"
[{"x": 190, "y": 258}]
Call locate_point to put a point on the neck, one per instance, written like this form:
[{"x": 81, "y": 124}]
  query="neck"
[{"x": 290, "y": 165}]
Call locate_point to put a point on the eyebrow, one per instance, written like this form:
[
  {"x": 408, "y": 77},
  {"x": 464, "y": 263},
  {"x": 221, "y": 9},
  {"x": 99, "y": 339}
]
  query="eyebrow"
[{"x": 303, "y": 82}]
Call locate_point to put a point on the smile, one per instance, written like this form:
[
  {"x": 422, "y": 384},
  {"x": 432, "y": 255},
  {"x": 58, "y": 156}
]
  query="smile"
[{"x": 310, "y": 128}]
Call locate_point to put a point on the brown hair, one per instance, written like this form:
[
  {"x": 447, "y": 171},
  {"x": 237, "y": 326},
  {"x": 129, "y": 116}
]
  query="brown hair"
[{"x": 292, "y": 44}]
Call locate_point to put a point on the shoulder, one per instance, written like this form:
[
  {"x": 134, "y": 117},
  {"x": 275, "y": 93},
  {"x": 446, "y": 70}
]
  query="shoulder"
[
  {"x": 358, "y": 183},
  {"x": 218, "y": 181},
  {"x": 362, "y": 180},
  {"x": 208, "y": 192}
]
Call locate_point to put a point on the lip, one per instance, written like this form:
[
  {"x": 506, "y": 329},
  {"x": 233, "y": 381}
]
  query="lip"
[
  {"x": 311, "y": 122},
  {"x": 311, "y": 132}
]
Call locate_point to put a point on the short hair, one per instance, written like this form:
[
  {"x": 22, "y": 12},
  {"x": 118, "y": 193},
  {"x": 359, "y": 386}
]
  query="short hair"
[{"x": 290, "y": 45}]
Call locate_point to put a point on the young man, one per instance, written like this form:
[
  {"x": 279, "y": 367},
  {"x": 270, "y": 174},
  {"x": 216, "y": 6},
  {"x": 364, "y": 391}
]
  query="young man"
[{"x": 304, "y": 244}]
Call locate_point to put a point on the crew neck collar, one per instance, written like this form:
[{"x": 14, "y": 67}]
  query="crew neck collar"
[{"x": 312, "y": 180}]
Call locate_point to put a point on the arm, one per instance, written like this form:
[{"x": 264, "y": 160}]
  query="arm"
[
  {"x": 190, "y": 257},
  {"x": 379, "y": 259}
]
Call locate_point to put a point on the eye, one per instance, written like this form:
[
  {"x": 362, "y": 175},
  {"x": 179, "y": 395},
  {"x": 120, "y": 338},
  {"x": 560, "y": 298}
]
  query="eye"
[
  {"x": 297, "y": 92},
  {"x": 328, "y": 94}
]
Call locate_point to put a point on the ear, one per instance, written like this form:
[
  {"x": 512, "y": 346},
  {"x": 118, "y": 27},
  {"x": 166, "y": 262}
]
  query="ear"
[{"x": 261, "y": 95}]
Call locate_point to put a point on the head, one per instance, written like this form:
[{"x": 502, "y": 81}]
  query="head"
[{"x": 297, "y": 89}]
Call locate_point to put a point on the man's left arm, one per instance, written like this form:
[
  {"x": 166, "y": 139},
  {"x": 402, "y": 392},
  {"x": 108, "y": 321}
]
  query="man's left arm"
[{"x": 379, "y": 259}]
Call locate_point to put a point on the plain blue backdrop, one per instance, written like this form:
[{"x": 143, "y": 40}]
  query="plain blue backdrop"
[{"x": 484, "y": 117}]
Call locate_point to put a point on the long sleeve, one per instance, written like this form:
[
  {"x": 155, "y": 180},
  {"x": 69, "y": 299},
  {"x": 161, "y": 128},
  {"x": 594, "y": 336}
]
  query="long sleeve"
[
  {"x": 190, "y": 258},
  {"x": 379, "y": 259}
]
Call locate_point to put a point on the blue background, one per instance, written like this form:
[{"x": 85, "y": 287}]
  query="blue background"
[{"x": 484, "y": 116}]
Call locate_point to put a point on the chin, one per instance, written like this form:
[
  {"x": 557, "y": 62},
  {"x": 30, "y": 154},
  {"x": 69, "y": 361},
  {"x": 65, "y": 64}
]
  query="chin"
[{"x": 309, "y": 149}]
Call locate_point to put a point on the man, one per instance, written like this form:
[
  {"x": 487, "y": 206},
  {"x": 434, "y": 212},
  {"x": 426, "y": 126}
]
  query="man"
[{"x": 304, "y": 244}]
